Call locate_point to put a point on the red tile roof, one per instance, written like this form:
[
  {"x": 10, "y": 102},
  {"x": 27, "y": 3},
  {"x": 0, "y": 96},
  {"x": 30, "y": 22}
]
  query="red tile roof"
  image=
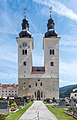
[{"x": 9, "y": 86}]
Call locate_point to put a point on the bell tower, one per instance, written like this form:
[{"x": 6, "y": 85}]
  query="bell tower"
[
  {"x": 25, "y": 46},
  {"x": 51, "y": 54}
]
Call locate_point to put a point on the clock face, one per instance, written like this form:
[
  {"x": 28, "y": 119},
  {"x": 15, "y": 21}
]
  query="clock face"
[{"x": 24, "y": 44}]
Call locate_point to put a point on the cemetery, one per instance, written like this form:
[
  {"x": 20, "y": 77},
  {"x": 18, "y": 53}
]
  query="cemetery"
[
  {"x": 14, "y": 106},
  {"x": 65, "y": 106}
]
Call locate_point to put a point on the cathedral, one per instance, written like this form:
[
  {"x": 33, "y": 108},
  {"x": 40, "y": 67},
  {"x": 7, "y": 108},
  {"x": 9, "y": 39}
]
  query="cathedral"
[{"x": 38, "y": 82}]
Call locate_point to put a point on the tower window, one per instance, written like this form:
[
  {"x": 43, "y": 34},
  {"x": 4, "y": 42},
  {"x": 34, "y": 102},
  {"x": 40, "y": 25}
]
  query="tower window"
[
  {"x": 36, "y": 84},
  {"x": 40, "y": 84},
  {"x": 51, "y": 52},
  {"x": 24, "y": 63},
  {"x": 52, "y": 63},
  {"x": 38, "y": 79},
  {"x": 29, "y": 86},
  {"x": 24, "y": 52}
]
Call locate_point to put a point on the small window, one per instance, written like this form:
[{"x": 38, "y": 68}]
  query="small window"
[
  {"x": 25, "y": 52},
  {"x": 51, "y": 52},
  {"x": 36, "y": 84},
  {"x": 52, "y": 63},
  {"x": 38, "y": 79},
  {"x": 35, "y": 94},
  {"x": 24, "y": 63},
  {"x": 41, "y": 94},
  {"x": 40, "y": 84},
  {"x": 29, "y": 86}
]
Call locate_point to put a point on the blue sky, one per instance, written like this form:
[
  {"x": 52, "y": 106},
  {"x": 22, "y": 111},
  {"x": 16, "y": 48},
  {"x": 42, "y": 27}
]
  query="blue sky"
[{"x": 65, "y": 17}]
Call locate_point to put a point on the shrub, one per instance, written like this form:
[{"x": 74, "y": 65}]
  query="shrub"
[
  {"x": 48, "y": 100},
  {"x": 3, "y": 116},
  {"x": 13, "y": 105}
]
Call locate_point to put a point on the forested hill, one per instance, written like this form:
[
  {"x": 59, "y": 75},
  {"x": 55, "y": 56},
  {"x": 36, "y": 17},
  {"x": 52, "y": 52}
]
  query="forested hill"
[{"x": 66, "y": 90}]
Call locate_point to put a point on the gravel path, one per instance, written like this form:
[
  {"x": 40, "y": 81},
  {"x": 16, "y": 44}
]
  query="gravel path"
[{"x": 38, "y": 111}]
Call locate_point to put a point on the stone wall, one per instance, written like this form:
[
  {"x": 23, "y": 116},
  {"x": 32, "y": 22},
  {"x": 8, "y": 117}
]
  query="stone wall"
[{"x": 49, "y": 87}]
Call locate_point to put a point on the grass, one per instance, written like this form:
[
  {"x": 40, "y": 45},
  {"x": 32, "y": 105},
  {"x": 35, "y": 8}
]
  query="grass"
[
  {"x": 19, "y": 113},
  {"x": 59, "y": 113}
]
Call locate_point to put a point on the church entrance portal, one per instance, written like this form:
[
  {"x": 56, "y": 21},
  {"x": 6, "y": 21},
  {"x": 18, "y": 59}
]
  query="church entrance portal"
[{"x": 38, "y": 95}]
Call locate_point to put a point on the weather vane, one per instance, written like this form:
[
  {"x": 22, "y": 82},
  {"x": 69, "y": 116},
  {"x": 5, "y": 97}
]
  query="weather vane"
[
  {"x": 24, "y": 12},
  {"x": 50, "y": 11}
]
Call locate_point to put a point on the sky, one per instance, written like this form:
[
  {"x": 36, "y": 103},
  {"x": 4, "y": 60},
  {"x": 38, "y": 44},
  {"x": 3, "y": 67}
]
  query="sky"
[{"x": 37, "y": 13}]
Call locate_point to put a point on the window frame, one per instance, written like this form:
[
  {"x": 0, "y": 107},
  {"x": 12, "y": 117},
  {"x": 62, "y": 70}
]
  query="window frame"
[
  {"x": 52, "y": 52},
  {"x": 51, "y": 63},
  {"x": 24, "y": 63}
]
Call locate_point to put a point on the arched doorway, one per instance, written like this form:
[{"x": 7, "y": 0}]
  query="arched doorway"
[{"x": 38, "y": 95}]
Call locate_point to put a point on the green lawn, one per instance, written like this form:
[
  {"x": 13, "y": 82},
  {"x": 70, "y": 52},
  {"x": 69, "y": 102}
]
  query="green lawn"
[
  {"x": 19, "y": 113},
  {"x": 59, "y": 113}
]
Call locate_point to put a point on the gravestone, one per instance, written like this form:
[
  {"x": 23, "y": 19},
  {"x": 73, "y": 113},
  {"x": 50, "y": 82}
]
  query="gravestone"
[
  {"x": 72, "y": 103},
  {"x": 4, "y": 107},
  {"x": 62, "y": 103}
]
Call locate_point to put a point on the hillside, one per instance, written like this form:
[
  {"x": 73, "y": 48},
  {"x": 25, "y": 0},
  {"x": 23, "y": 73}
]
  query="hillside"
[{"x": 66, "y": 90}]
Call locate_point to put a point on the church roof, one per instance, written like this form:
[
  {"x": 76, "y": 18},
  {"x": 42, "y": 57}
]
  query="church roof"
[
  {"x": 25, "y": 28},
  {"x": 50, "y": 28}
]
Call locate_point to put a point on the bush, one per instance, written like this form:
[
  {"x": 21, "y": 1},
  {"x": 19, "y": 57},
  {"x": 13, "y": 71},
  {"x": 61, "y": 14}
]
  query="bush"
[
  {"x": 48, "y": 100},
  {"x": 32, "y": 99},
  {"x": 13, "y": 105},
  {"x": 3, "y": 116}
]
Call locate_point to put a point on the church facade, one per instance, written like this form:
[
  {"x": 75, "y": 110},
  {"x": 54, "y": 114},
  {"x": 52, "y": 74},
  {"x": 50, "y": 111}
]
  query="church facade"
[{"x": 38, "y": 82}]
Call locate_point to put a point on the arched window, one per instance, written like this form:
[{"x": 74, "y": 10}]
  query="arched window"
[
  {"x": 36, "y": 84},
  {"x": 24, "y": 63},
  {"x": 40, "y": 84},
  {"x": 51, "y": 63},
  {"x": 51, "y": 52},
  {"x": 23, "y": 52},
  {"x": 41, "y": 94},
  {"x": 35, "y": 94}
]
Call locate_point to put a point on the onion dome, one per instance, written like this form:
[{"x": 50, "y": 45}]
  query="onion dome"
[
  {"x": 51, "y": 31},
  {"x": 25, "y": 28}
]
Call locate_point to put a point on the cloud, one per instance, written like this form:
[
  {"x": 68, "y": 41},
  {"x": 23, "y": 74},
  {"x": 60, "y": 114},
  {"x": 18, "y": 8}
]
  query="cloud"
[
  {"x": 68, "y": 74},
  {"x": 59, "y": 8},
  {"x": 68, "y": 40}
]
